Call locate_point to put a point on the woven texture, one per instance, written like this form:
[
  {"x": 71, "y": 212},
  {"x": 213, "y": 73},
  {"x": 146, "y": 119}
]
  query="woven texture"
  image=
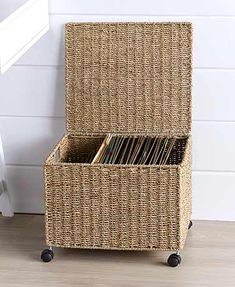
[
  {"x": 124, "y": 78},
  {"x": 117, "y": 206},
  {"x": 128, "y": 77}
]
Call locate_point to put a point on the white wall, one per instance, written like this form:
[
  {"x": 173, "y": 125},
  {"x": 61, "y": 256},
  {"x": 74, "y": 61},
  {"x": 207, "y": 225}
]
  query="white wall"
[{"x": 32, "y": 98}]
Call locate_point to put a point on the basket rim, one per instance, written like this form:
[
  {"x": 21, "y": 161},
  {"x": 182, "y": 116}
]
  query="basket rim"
[
  {"x": 50, "y": 163},
  {"x": 128, "y": 22}
]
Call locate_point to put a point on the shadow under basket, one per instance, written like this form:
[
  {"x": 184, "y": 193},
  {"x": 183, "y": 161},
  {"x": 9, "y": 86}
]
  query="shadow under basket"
[{"x": 116, "y": 206}]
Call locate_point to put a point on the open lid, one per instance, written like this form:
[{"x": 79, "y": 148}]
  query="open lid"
[{"x": 128, "y": 78}]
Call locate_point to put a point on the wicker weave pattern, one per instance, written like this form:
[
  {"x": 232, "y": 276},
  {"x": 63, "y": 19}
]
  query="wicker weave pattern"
[
  {"x": 128, "y": 77},
  {"x": 185, "y": 192},
  {"x": 116, "y": 206},
  {"x": 124, "y": 78}
]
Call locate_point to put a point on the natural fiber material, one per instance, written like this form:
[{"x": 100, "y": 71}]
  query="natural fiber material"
[
  {"x": 117, "y": 206},
  {"x": 124, "y": 78},
  {"x": 128, "y": 77}
]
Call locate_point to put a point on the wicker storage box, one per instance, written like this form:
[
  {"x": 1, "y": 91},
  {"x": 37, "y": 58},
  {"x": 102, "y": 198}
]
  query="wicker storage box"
[{"x": 127, "y": 79}]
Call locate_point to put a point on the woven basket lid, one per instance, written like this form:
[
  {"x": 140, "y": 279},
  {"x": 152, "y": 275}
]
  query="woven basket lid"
[{"x": 128, "y": 78}]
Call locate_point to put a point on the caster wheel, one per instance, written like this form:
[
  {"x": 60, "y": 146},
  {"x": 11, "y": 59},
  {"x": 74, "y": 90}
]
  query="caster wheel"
[
  {"x": 190, "y": 224},
  {"x": 174, "y": 260},
  {"x": 47, "y": 255}
]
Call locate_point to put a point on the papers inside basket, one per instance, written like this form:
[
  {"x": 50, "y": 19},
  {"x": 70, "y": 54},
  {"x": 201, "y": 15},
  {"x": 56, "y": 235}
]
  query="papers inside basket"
[
  {"x": 125, "y": 150},
  {"x": 134, "y": 150}
]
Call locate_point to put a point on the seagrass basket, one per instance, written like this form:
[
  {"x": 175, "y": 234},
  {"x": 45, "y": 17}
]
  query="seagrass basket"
[{"x": 127, "y": 79}]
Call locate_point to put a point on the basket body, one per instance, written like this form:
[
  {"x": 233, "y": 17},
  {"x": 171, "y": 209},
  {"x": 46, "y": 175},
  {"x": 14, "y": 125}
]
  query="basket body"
[
  {"x": 122, "y": 78},
  {"x": 117, "y": 206}
]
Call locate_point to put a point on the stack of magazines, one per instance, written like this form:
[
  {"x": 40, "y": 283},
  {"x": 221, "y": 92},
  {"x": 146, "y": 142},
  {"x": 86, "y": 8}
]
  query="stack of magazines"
[{"x": 140, "y": 150}]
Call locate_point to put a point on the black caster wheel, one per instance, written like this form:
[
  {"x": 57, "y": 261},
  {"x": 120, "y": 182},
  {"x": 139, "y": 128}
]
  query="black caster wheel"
[
  {"x": 190, "y": 224},
  {"x": 174, "y": 260},
  {"x": 47, "y": 255}
]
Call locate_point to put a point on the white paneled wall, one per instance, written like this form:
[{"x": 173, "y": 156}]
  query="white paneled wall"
[{"x": 32, "y": 98}]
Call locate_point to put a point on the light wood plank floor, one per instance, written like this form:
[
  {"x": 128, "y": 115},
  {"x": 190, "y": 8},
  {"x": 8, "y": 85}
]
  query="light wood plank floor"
[{"x": 207, "y": 260}]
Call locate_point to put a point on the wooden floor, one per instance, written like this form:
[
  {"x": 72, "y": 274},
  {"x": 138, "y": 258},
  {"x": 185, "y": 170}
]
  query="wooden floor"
[{"x": 207, "y": 260}]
